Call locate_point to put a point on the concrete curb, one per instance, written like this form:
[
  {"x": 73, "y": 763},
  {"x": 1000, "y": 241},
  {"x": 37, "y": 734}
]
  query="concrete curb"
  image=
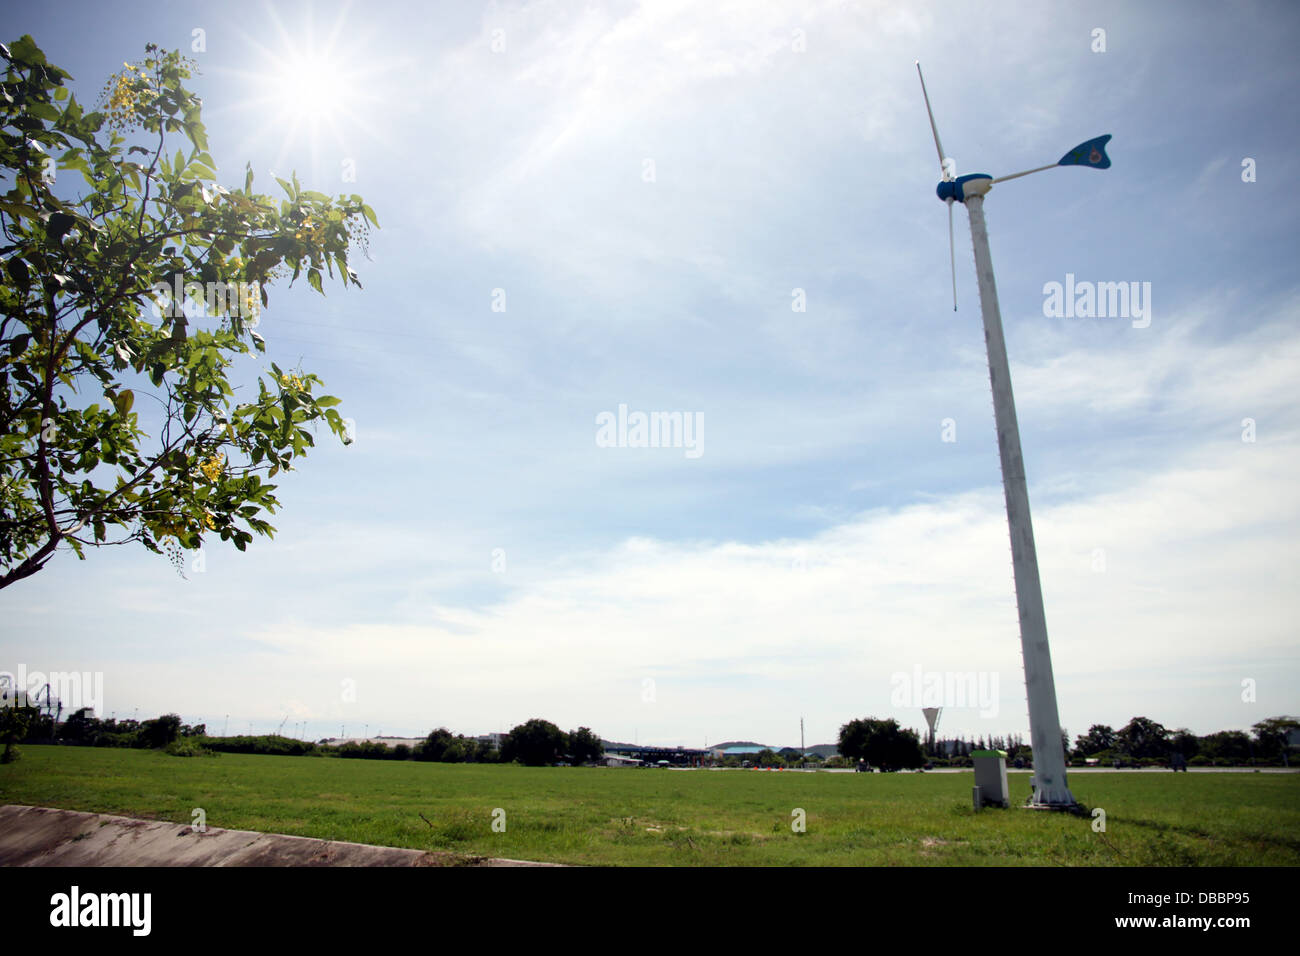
[{"x": 44, "y": 836}]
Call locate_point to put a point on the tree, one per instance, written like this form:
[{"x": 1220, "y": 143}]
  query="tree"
[
  {"x": 435, "y": 746},
  {"x": 791, "y": 756},
  {"x": 882, "y": 743},
  {"x": 80, "y": 728},
  {"x": 485, "y": 752},
  {"x": 1021, "y": 752},
  {"x": 460, "y": 750},
  {"x": 16, "y": 720},
  {"x": 1183, "y": 741},
  {"x": 1271, "y": 736},
  {"x": 146, "y": 285},
  {"x": 1099, "y": 738},
  {"x": 1228, "y": 745},
  {"x": 585, "y": 746},
  {"x": 159, "y": 732},
  {"x": 537, "y": 743},
  {"x": 1143, "y": 737}
]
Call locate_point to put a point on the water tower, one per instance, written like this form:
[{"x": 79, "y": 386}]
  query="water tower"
[{"x": 932, "y": 719}]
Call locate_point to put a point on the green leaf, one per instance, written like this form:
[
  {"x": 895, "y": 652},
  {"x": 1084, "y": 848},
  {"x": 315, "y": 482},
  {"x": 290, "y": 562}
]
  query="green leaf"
[
  {"x": 25, "y": 51},
  {"x": 17, "y": 270},
  {"x": 58, "y": 226}
]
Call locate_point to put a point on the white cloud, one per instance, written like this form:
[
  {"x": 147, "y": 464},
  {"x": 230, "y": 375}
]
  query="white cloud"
[
  {"x": 1175, "y": 369},
  {"x": 1193, "y": 585}
]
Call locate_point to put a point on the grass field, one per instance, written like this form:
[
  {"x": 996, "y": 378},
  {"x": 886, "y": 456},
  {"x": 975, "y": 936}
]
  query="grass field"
[{"x": 675, "y": 818}]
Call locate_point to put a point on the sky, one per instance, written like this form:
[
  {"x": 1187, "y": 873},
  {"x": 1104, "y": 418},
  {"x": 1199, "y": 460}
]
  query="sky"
[{"x": 727, "y": 210}]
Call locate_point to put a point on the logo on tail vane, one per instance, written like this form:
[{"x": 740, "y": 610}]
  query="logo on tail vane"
[{"x": 1091, "y": 153}]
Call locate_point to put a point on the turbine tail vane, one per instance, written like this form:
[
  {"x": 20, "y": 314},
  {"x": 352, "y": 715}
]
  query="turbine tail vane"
[{"x": 1092, "y": 154}]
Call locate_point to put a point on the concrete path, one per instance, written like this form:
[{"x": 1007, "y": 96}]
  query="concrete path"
[{"x": 40, "y": 836}]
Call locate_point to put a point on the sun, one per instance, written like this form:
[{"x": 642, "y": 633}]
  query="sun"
[
  {"x": 311, "y": 94},
  {"x": 313, "y": 88}
]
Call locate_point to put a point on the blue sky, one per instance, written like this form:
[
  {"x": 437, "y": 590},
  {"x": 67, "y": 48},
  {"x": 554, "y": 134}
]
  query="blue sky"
[{"x": 475, "y": 558}]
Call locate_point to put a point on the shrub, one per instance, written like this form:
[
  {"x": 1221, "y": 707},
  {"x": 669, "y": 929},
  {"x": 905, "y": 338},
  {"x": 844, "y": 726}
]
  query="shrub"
[
  {"x": 188, "y": 747},
  {"x": 269, "y": 744},
  {"x": 114, "y": 740},
  {"x": 365, "y": 750},
  {"x": 160, "y": 732}
]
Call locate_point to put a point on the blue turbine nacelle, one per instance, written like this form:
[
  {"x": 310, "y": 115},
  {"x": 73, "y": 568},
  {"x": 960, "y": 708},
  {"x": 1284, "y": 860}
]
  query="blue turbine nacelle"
[{"x": 976, "y": 184}]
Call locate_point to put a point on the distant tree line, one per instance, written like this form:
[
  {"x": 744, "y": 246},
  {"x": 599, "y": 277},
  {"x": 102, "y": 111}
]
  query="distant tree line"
[
  {"x": 790, "y": 757},
  {"x": 536, "y": 742},
  {"x": 24, "y": 722},
  {"x": 1145, "y": 740},
  {"x": 1142, "y": 741}
]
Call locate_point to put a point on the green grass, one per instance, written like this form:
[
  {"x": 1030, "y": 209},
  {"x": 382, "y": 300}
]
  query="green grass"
[{"x": 663, "y": 817}]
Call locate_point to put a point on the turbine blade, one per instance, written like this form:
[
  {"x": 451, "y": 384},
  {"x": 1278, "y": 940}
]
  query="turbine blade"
[
  {"x": 934, "y": 129},
  {"x": 952, "y": 258}
]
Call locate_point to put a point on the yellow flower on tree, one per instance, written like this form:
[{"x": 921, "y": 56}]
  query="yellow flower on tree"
[{"x": 212, "y": 467}]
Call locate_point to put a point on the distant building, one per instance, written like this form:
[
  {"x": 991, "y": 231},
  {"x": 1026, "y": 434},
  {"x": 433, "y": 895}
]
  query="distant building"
[
  {"x": 740, "y": 751},
  {"x": 673, "y": 756},
  {"x": 617, "y": 760}
]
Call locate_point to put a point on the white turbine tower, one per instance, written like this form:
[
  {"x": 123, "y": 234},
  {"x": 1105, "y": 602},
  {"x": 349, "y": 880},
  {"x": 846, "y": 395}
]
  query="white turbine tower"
[{"x": 1050, "y": 787}]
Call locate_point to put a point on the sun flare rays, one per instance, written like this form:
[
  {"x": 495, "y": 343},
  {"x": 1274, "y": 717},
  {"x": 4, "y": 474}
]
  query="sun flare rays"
[{"x": 313, "y": 97}]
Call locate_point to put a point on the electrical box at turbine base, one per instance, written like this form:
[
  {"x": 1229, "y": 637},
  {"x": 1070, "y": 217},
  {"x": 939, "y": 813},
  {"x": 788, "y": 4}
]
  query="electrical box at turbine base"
[{"x": 990, "y": 779}]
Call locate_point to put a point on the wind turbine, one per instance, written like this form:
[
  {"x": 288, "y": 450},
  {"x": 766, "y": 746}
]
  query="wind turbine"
[{"x": 1050, "y": 787}]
